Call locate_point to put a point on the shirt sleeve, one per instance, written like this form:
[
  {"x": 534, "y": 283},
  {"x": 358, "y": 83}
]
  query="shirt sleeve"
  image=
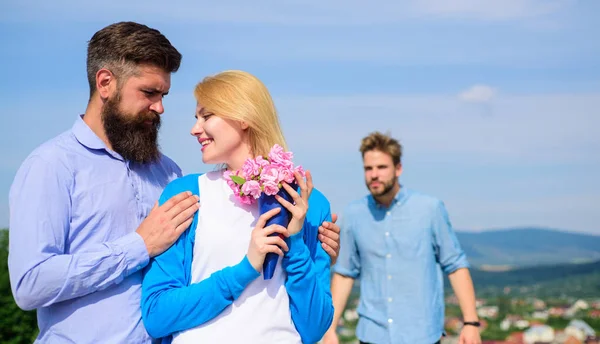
[
  {"x": 41, "y": 271},
  {"x": 169, "y": 303},
  {"x": 348, "y": 262},
  {"x": 449, "y": 254},
  {"x": 308, "y": 278}
]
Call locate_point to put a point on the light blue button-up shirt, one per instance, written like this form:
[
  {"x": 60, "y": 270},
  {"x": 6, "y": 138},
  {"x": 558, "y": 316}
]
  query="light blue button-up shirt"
[
  {"x": 74, "y": 254},
  {"x": 399, "y": 254}
]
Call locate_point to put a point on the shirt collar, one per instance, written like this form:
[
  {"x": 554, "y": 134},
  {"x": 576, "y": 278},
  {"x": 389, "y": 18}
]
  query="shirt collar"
[
  {"x": 398, "y": 199},
  {"x": 84, "y": 134}
]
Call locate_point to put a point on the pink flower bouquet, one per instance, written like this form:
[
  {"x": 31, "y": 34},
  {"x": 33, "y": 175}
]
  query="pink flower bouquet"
[{"x": 261, "y": 179}]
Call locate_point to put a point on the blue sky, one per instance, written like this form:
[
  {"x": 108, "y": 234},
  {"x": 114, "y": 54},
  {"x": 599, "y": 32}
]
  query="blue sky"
[{"x": 496, "y": 102}]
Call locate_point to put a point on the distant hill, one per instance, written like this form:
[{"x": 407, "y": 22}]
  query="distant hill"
[
  {"x": 521, "y": 247},
  {"x": 534, "y": 275},
  {"x": 577, "y": 280}
]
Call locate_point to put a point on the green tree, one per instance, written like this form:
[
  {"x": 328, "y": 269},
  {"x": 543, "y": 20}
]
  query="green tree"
[{"x": 16, "y": 325}]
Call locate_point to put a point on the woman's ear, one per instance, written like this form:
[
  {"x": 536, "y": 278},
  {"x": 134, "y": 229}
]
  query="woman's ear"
[{"x": 243, "y": 125}]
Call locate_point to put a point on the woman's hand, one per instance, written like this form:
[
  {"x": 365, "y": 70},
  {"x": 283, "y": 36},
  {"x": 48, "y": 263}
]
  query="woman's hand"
[
  {"x": 300, "y": 206},
  {"x": 261, "y": 243}
]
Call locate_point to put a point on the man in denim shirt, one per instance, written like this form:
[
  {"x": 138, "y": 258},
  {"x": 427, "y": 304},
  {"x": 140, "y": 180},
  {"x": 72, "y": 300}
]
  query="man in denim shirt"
[{"x": 399, "y": 242}]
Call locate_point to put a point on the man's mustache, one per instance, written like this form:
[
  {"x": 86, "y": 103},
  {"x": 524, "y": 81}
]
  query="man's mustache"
[{"x": 149, "y": 116}]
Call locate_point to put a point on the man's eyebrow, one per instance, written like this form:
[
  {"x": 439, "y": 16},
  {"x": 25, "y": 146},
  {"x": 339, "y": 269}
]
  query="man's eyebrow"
[{"x": 155, "y": 90}]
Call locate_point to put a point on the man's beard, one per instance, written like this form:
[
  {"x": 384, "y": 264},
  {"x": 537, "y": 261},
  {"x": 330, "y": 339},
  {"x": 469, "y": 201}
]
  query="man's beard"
[
  {"x": 129, "y": 135},
  {"x": 388, "y": 186}
]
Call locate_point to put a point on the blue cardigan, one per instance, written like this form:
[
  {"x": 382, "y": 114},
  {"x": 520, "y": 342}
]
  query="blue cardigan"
[{"x": 171, "y": 304}]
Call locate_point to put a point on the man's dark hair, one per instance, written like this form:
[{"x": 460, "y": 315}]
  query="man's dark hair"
[{"x": 121, "y": 47}]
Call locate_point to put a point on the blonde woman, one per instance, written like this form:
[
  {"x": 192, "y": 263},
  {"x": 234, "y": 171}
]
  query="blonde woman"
[{"x": 207, "y": 287}]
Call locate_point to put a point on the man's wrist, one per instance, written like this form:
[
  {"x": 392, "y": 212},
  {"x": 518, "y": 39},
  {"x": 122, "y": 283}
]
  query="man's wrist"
[{"x": 475, "y": 323}]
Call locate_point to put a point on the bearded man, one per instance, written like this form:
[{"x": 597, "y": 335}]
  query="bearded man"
[
  {"x": 398, "y": 242},
  {"x": 83, "y": 223},
  {"x": 84, "y": 220}
]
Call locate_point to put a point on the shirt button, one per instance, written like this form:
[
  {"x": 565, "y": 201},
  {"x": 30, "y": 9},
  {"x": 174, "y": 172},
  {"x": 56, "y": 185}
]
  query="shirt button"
[
  {"x": 389, "y": 277},
  {"x": 389, "y": 299},
  {"x": 388, "y": 255},
  {"x": 387, "y": 233},
  {"x": 390, "y": 320},
  {"x": 388, "y": 213}
]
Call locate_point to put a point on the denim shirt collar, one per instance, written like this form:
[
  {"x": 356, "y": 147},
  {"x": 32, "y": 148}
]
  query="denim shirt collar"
[{"x": 398, "y": 199}]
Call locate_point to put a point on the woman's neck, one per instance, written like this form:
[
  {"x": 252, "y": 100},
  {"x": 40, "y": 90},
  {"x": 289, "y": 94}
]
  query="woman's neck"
[{"x": 238, "y": 158}]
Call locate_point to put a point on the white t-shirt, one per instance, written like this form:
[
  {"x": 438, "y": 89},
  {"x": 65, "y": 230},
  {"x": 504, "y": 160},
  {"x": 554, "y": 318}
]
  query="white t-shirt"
[{"x": 262, "y": 313}]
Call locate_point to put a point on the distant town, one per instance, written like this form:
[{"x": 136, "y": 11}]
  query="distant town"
[
  {"x": 554, "y": 299},
  {"x": 508, "y": 320}
]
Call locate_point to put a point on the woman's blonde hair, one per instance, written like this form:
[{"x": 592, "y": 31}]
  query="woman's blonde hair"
[{"x": 240, "y": 96}]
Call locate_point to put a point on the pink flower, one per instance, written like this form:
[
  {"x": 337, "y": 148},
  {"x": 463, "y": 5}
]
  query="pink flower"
[
  {"x": 251, "y": 188},
  {"x": 261, "y": 161},
  {"x": 227, "y": 177},
  {"x": 251, "y": 168},
  {"x": 278, "y": 156},
  {"x": 270, "y": 187},
  {"x": 270, "y": 174},
  {"x": 285, "y": 174},
  {"x": 246, "y": 199},
  {"x": 233, "y": 185},
  {"x": 262, "y": 174}
]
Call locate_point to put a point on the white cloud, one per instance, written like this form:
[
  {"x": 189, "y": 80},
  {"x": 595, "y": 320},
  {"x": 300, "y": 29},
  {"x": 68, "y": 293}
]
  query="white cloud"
[{"x": 478, "y": 94}]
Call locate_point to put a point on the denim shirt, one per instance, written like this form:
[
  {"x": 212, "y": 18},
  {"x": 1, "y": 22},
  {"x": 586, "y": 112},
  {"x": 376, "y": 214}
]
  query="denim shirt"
[{"x": 399, "y": 253}]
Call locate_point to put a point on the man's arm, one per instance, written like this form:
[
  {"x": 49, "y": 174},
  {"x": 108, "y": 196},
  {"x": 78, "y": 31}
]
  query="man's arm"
[
  {"x": 347, "y": 269},
  {"x": 454, "y": 262},
  {"x": 341, "y": 286},
  {"x": 463, "y": 289},
  {"x": 41, "y": 271}
]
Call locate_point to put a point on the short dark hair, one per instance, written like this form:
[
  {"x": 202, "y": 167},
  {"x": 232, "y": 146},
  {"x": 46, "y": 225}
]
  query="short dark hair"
[
  {"x": 383, "y": 143},
  {"x": 123, "y": 45}
]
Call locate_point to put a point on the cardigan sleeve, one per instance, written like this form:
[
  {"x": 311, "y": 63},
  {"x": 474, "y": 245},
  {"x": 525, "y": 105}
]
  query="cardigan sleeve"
[{"x": 308, "y": 275}]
